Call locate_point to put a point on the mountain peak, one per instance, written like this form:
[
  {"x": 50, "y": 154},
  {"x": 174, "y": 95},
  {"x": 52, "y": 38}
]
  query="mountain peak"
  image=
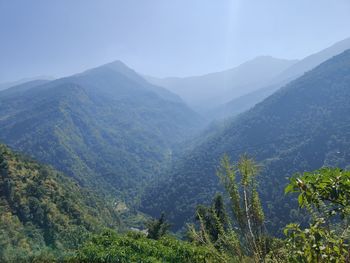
[
  {"x": 116, "y": 65},
  {"x": 268, "y": 60}
]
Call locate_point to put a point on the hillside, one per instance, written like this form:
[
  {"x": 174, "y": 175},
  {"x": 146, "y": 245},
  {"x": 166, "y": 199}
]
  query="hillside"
[
  {"x": 7, "y": 85},
  {"x": 107, "y": 127},
  {"x": 42, "y": 209},
  {"x": 22, "y": 87},
  {"x": 208, "y": 91},
  {"x": 302, "y": 127},
  {"x": 245, "y": 102}
]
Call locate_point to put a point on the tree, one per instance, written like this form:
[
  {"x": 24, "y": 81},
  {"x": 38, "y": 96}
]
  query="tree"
[
  {"x": 245, "y": 232},
  {"x": 157, "y": 228},
  {"x": 241, "y": 185},
  {"x": 215, "y": 218}
]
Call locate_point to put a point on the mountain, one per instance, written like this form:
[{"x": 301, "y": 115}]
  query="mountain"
[
  {"x": 314, "y": 60},
  {"x": 209, "y": 91},
  {"x": 107, "y": 127},
  {"x": 23, "y": 87},
  {"x": 7, "y": 85},
  {"x": 41, "y": 208},
  {"x": 302, "y": 127},
  {"x": 245, "y": 102}
]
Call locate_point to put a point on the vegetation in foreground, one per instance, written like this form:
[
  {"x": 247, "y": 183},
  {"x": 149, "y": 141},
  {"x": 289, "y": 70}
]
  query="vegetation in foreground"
[
  {"x": 136, "y": 247},
  {"x": 44, "y": 218},
  {"x": 325, "y": 238},
  {"x": 239, "y": 235},
  {"x": 44, "y": 214}
]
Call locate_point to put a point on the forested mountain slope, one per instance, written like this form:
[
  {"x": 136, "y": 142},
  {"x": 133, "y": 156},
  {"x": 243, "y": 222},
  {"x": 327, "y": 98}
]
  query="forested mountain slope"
[
  {"x": 210, "y": 90},
  {"x": 245, "y": 102},
  {"x": 42, "y": 208},
  {"x": 302, "y": 127},
  {"x": 107, "y": 127}
]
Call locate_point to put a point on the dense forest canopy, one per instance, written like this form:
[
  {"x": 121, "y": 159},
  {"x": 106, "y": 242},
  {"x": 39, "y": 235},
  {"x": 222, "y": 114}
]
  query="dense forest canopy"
[
  {"x": 107, "y": 127},
  {"x": 47, "y": 217},
  {"x": 42, "y": 209}
]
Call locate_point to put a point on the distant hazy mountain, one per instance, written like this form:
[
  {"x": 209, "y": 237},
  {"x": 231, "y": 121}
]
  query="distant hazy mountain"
[
  {"x": 42, "y": 208},
  {"x": 22, "y": 81},
  {"x": 23, "y": 87},
  {"x": 208, "y": 91},
  {"x": 302, "y": 127},
  {"x": 107, "y": 127},
  {"x": 243, "y": 103}
]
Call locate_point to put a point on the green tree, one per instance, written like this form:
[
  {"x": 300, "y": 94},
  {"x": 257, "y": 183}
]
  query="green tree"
[
  {"x": 157, "y": 228},
  {"x": 245, "y": 231},
  {"x": 240, "y": 183},
  {"x": 215, "y": 218}
]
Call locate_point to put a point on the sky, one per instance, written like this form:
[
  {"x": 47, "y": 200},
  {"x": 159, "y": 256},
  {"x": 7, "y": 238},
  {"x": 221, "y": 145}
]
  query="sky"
[{"x": 161, "y": 37}]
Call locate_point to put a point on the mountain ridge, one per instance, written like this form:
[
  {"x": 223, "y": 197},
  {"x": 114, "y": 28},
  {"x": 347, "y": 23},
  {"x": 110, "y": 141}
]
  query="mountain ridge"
[
  {"x": 243, "y": 103},
  {"x": 301, "y": 127},
  {"x": 106, "y": 129},
  {"x": 206, "y": 91}
]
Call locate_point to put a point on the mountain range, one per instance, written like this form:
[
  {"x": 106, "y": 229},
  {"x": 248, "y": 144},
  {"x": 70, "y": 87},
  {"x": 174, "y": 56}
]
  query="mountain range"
[
  {"x": 106, "y": 127},
  {"x": 301, "y": 127},
  {"x": 228, "y": 93},
  {"x": 113, "y": 131},
  {"x": 203, "y": 93},
  {"x": 245, "y": 102}
]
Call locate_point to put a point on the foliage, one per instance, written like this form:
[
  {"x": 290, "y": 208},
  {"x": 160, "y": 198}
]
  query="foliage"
[
  {"x": 325, "y": 193},
  {"x": 42, "y": 212},
  {"x": 245, "y": 234},
  {"x": 157, "y": 228},
  {"x": 245, "y": 202},
  {"x": 46, "y": 217},
  {"x": 214, "y": 218},
  {"x": 215, "y": 233},
  {"x": 315, "y": 243},
  {"x": 327, "y": 190},
  {"x": 136, "y": 247}
]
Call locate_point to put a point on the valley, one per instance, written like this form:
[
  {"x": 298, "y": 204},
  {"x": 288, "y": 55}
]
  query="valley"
[{"x": 174, "y": 132}]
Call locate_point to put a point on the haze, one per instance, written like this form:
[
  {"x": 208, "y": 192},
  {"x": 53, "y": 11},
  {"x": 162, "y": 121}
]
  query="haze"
[{"x": 161, "y": 38}]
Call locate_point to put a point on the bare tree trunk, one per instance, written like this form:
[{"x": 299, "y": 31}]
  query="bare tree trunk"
[{"x": 249, "y": 223}]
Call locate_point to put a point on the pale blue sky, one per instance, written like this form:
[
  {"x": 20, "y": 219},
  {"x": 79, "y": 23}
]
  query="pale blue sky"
[{"x": 161, "y": 37}]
